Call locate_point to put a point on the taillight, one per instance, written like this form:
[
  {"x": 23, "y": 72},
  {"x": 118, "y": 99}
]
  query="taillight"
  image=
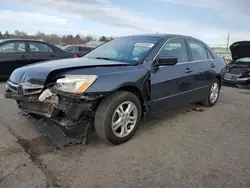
[{"x": 75, "y": 56}]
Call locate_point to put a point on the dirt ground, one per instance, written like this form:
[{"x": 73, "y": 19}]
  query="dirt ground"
[{"x": 177, "y": 148}]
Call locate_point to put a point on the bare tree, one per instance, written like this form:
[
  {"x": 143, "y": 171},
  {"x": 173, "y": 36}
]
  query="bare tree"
[{"x": 53, "y": 38}]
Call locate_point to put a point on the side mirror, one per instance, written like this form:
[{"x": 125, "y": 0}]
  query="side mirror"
[{"x": 167, "y": 60}]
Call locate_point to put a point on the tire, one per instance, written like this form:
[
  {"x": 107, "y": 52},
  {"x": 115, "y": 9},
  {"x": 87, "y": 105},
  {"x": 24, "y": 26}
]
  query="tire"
[
  {"x": 107, "y": 111},
  {"x": 207, "y": 101}
]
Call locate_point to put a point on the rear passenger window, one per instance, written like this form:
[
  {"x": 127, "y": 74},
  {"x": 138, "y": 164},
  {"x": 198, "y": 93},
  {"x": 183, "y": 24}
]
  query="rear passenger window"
[
  {"x": 39, "y": 47},
  {"x": 198, "y": 51},
  {"x": 209, "y": 55},
  {"x": 175, "y": 48}
]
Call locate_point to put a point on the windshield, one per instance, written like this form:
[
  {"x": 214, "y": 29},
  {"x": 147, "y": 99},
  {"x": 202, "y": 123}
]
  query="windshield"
[
  {"x": 126, "y": 49},
  {"x": 243, "y": 60}
]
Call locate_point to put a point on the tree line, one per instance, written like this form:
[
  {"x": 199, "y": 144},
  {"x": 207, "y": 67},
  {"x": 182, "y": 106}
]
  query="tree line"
[{"x": 54, "y": 38}]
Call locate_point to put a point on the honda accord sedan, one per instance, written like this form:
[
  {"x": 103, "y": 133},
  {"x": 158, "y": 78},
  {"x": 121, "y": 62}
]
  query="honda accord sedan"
[
  {"x": 16, "y": 53},
  {"x": 120, "y": 82}
]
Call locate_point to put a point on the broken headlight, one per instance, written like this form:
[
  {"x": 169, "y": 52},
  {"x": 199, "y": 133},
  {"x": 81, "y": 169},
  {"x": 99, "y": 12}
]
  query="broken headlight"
[{"x": 75, "y": 84}]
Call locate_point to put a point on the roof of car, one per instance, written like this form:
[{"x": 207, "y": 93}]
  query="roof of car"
[
  {"x": 17, "y": 39},
  {"x": 162, "y": 35},
  {"x": 168, "y": 36}
]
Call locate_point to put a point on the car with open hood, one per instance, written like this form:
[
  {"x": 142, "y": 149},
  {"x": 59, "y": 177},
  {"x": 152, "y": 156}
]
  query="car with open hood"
[
  {"x": 238, "y": 71},
  {"x": 119, "y": 82}
]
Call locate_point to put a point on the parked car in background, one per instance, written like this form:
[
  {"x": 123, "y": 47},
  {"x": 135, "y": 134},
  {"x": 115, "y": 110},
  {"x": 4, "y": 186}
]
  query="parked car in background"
[
  {"x": 94, "y": 43},
  {"x": 119, "y": 82},
  {"x": 238, "y": 71},
  {"x": 16, "y": 53},
  {"x": 80, "y": 50}
]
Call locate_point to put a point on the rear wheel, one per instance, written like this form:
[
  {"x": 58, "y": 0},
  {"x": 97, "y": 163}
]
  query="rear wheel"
[
  {"x": 213, "y": 94},
  {"x": 117, "y": 117}
]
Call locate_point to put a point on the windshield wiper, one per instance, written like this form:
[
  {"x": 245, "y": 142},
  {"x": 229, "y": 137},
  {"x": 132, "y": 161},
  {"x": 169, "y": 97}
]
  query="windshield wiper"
[
  {"x": 104, "y": 58},
  {"x": 109, "y": 59}
]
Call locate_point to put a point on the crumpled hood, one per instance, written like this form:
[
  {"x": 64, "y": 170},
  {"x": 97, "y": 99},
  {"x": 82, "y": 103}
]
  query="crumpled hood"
[
  {"x": 240, "y": 49},
  {"x": 38, "y": 73}
]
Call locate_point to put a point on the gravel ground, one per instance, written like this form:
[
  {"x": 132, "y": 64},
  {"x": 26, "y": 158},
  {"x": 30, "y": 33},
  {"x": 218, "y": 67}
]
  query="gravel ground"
[{"x": 177, "y": 148}]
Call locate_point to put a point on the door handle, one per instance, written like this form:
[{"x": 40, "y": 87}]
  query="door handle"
[
  {"x": 188, "y": 70},
  {"x": 212, "y": 65},
  {"x": 52, "y": 55},
  {"x": 22, "y": 56}
]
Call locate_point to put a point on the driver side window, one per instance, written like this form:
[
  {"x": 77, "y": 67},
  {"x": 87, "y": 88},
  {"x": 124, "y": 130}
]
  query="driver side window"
[{"x": 175, "y": 48}]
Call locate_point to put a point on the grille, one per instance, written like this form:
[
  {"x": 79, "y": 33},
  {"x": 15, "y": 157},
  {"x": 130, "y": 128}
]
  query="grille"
[{"x": 24, "y": 90}]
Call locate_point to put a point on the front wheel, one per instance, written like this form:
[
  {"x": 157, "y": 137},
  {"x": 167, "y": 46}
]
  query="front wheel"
[
  {"x": 117, "y": 117},
  {"x": 213, "y": 94}
]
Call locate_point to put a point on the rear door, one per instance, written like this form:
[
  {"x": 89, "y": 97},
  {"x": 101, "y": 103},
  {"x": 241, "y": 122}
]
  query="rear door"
[
  {"x": 172, "y": 85},
  {"x": 202, "y": 62},
  {"x": 13, "y": 54},
  {"x": 39, "y": 51}
]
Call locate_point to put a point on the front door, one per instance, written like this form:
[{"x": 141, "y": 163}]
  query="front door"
[
  {"x": 172, "y": 85},
  {"x": 12, "y": 55}
]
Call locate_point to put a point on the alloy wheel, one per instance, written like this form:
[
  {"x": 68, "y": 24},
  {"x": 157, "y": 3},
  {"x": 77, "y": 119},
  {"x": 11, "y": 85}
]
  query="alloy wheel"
[
  {"x": 124, "y": 119},
  {"x": 214, "y": 92}
]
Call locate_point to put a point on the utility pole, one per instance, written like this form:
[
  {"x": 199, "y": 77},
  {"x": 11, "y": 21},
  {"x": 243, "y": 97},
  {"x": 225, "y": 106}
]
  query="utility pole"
[{"x": 228, "y": 39}]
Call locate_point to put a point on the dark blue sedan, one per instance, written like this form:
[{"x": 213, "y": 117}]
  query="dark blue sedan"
[{"x": 119, "y": 82}]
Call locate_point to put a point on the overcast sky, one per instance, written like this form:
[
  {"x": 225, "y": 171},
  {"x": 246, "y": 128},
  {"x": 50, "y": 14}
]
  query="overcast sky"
[{"x": 209, "y": 20}]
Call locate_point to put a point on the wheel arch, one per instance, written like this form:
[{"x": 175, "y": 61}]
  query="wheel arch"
[
  {"x": 220, "y": 79},
  {"x": 137, "y": 92}
]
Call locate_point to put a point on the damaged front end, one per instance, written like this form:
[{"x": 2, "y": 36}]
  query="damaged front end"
[
  {"x": 237, "y": 74},
  {"x": 67, "y": 114}
]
